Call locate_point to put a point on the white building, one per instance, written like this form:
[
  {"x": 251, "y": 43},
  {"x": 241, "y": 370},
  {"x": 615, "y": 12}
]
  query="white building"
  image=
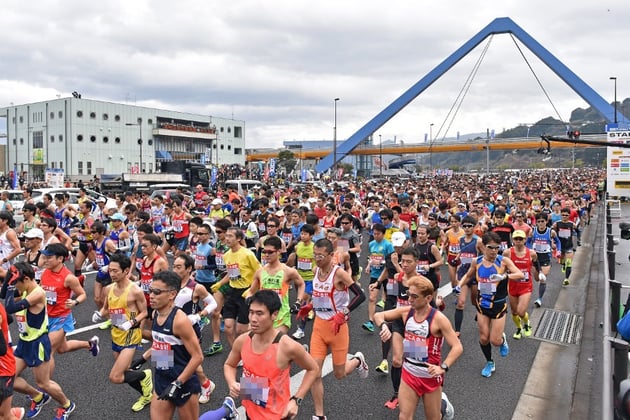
[{"x": 86, "y": 137}]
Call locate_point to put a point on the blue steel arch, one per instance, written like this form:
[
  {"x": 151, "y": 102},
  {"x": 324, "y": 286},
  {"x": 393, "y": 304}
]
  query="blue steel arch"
[{"x": 497, "y": 26}]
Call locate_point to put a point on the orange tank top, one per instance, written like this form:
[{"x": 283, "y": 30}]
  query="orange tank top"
[
  {"x": 265, "y": 388},
  {"x": 56, "y": 292}
]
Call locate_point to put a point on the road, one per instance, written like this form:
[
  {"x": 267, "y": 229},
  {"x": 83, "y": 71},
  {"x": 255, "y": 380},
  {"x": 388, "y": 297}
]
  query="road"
[{"x": 85, "y": 378}]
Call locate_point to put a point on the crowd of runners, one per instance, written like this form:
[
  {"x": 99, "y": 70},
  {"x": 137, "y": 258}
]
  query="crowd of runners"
[{"x": 246, "y": 273}]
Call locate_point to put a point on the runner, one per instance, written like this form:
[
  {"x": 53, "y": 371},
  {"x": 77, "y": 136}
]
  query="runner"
[
  {"x": 152, "y": 263},
  {"x": 520, "y": 291},
  {"x": 565, "y": 229},
  {"x": 278, "y": 277},
  {"x": 104, "y": 248},
  {"x": 381, "y": 249},
  {"x": 544, "y": 241},
  {"x": 7, "y": 371},
  {"x": 175, "y": 353},
  {"x": 331, "y": 303},
  {"x": 304, "y": 260},
  {"x": 424, "y": 329},
  {"x": 492, "y": 272},
  {"x": 126, "y": 307},
  {"x": 33, "y": 348},
  {"x": 264, "y": 387}
]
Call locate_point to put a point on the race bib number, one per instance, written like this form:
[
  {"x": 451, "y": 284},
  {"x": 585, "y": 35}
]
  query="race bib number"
[
  {"x": 117, "y": 316},
  {"x": 304, "y": 264},
  {"x": 377, "y": 260},
  {"x": 255, "y": 389},
  {"x": 162, "y": 355},
  {"x": 415, "y": 347},
  {"x": 234, "y": 272},
  {"x": 564, "y": 233},
  {"x": 487, "y": 288},
  {"x": 220, "y": 262},
  {"x": 51, "y": 296},
  {"x": 21, "y": 322}
]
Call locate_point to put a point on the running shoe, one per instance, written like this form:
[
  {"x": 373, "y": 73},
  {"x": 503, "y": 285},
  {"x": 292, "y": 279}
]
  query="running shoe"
[
  {"x": 527, "y": 330},
  {"x": 298, "y": 334},
  {"x": 363, "y": 368},
  {"x": 383, "y": 367},
  {"x": 105, "y": 325},
  {"x": 565, "y": 282},
  {"x": 141, "y": 403},
  {"x": 488, "y": 369},
  {"x": 392, "y": 403},
  {"x": 94, "y": 348},
  {"x": 319, "y": 418},
  {"x": 206, "y": 391},
  {"x": 18, "y": 412},
  {"x": 517, "y": 335},
  {"x": 230, "y": 406},
  {"x": 538, "y": 303},
  {"x": 448, "y": 412},
  {"x": 203, "y": 322},
  {"x": 368, "y": 326},
  {"x": 380, "y": 303},
  {"x": 504, "y": 348},
  {"x": 215, "y": 348},
  {"x": 64, "y": 413},
  {"x": 563, "y": 268},
  {"x": 147, "y": 384},
  {"x": 36, "y": 407}
]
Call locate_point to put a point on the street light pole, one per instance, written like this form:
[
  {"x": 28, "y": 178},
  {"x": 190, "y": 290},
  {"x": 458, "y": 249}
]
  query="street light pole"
[
  {"x": 335, "y": 140},
  {"x": 430, "y": 147},
  {"x": 139, "y": 124},
  {"x": 380, "y": 141},
  {"x": 615, "y": 103}
]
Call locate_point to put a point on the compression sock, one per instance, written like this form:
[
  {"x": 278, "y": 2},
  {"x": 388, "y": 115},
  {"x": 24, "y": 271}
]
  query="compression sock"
[
  {"x": 133, "y": 378},
  {"x": 459, "y": 318},
  {"x": 568, "y": 264},
  {"x": 517, "y": 321},
  {"x": 541, "y": 289},
  {"x": 525, "y": 318},
  {"x": 396, "y": 373},
  {"x": 385, "y": 348},
  {"x": 487, "y": 351}
]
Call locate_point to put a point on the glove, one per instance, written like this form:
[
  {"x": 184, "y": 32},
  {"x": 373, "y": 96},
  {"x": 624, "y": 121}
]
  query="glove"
[
  {"x": 542, "y": 277},
  {"x": 137, "y": 363},
  {"x": 171, "y": 392},
  {"x": 338, "y": 320},
  {"x": 104, "y": 269},
  {"x": 498, "y": 277},
  {"x": 194, "y": 318},
  {"x": 245, "y": 293},
  {"x": 215, "y": 287},
  {"x": 125, "y": 326},
  {"x": 303, "y": 311},
  {"x": 295, "y": 308},
  {"x": 97, "y": 317}
]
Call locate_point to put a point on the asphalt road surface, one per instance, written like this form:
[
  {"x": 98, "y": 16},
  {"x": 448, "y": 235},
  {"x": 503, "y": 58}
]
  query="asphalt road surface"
[{"x": 84, "y": 378}]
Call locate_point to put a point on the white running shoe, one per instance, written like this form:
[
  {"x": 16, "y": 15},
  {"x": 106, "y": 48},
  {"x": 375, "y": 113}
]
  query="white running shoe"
[
  {"x": 448, "y": 412},
  {"x": 298, "y": 334},
  {"x": 204, "y": 397},
  {"x": 363, "y": 368}
]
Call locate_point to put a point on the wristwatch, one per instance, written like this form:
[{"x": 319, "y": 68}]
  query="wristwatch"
[
  {"x": 298, "y": 401},
  {"x": 444, "y": 366}
]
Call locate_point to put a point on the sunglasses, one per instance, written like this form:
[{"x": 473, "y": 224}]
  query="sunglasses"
[
  {"x": 158, "y": 292},
  {"x": 345, "y": 223},
  {"x": 466, "y": 226},
  {"x": 518, "y": 239},
  {"x": 493, "y": 247},
  {"x": 219, "y": 231},
  {"x": 270, "y": 226},
  {"x": 267, "y": 251}
]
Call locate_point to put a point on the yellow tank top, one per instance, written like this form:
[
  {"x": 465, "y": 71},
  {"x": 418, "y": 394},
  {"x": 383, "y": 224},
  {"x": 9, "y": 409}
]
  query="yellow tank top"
[
  {"x": 119, "y": 313},
  {"x": 27, "y": 331},
  {"x": 305, "y": 260}
]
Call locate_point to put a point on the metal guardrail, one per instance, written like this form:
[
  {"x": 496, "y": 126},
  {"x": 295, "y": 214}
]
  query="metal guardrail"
[{"x": 615, "y": 350}]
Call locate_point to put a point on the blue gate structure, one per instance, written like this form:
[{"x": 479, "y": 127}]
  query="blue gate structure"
[{"x": 497, "y": 26}]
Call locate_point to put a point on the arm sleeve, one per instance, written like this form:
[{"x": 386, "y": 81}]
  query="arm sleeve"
[
  {"x": 12, "y": 306},
  {"x": 358, "y": 298}
]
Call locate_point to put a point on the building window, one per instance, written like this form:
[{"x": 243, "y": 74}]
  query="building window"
[
  {"x": 93, "y": 115},
  {"x": 80, "y": 167},
  {"x": 14, "y": 142},
  {"x": 21, "y": 140},
  {"x": 229, "y": 129},
  {"x": 21, "y": 119},
  {"x": 238, "y": 132},
  {"x": 117, "y": 140},
  {"x": 229, "y": 147},
  {"x": 89, "y": 168},
  {"x": 38, "y": 139},
  {"x": 52, "y": 115},
  {"x": 52, "y": 139},
  {"x": 214, "y": 146},
  {"x": 116, "y": 118},
  {"x": 150, "y": 142},
  {"x": 80, "y": 137},
  {"x": 150, "y": 121},
  {"x": 79, "y": 114},
  {"x": 221, "y": 147},
  {"x": 105, "y": 139},
  {"x": 139, "y": 120},
  {"x": 52, "y": 164},
  {"x": 221, "y": 130},
  {"x": 238, "y": 151},
  {"x": 60, "y": 114},
  {"x": 60, "y": 138},
  {"x": 60, "y": 164},
  {"x": 13, "y": 120},
  {"x": 92, "y": 139}
]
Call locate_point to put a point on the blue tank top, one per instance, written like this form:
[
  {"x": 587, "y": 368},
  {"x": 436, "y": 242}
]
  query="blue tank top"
[
  {"x": 467, "y": 253},
  {"x": 541, "y": 242},
  {"x": 490, "y": 292},
  {"x": 168, "y": 353},
  {"x": 102, "y": 259}
]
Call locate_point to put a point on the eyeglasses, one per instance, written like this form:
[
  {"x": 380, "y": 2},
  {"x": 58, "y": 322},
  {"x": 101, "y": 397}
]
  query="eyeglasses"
[
  {"x": 219, "y": 231},
  {"x": 268, "y": 251},
  {"x": 493, "y": 247},
  {"x": 270, "y": 226},
  {"x": 565, "y": 215},
  {"x": 320, "y": 256},
  {"x": 203, "y": 233},
  {"x": 467, "y": 226},
  {"x": 158, "y": 292},
  {"x": 345, "y": 223}
]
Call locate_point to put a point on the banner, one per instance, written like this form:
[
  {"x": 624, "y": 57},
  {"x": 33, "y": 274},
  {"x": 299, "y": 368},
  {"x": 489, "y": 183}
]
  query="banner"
[
  {"x": 54, "y": 177},
  {"x": 213, "y": 176},
  {"x": 304, "y": 176},
  {"x": 272, "y": 167},
  {"x": 618, "y": 164}
]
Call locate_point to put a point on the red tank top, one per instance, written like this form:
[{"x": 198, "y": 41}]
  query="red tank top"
[
  {"x": 7, "y": 362},
  {"x": 268, "y": 387},
  {"x": 56, "y": 292},
  {"x": 180, "y": 225},
  {"x": 146, "y": 274},
  {"x": 523, "y": 263}
]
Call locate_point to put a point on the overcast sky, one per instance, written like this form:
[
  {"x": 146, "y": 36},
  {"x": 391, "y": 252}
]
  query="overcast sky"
[{"x": 278, "y": 64}]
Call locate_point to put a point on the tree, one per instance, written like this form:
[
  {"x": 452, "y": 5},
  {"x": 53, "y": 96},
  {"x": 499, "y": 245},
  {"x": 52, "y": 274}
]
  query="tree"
[{"x": 287, "y": 159}]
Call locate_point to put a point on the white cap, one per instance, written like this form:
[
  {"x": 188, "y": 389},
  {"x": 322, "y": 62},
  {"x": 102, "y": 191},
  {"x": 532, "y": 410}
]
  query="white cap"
[
  {"x": 398, "y": 238},
  {"x": 217, "y": 201},
  {"x": 34, "y": 233}
]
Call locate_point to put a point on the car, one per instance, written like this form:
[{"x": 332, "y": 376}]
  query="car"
[
  {"x": 38, "y": 195},
  {"x": 166, "y": 193},
  {"x": 16, "y": 198}
]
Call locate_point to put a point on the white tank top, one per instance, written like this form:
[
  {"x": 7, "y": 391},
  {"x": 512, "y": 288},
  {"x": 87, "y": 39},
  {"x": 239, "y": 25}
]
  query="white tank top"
[{"x": 327, "y": 300}]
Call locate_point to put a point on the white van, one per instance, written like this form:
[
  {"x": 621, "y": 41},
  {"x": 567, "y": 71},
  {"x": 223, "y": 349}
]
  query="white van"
[{"x": 240, "y": 184}]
